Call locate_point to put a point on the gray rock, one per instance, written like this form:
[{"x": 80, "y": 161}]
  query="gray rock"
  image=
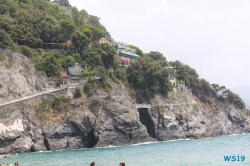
[
  {"x": 114, "y": 122},
  {"x": 20, "y": 79},
  {"x": 39, "y": 146},
  {"x": 74, "y": 143},
  {"x": 55, "y": 144},
  {"x": 21, "y": 145},
  {"x": 122, "y": 130}
]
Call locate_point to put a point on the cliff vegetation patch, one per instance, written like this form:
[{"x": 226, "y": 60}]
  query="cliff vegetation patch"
[
  {"x": 96, "y": 105},
  {"x": 2, "y": 57},
  {"x": 58, "y": 107}
]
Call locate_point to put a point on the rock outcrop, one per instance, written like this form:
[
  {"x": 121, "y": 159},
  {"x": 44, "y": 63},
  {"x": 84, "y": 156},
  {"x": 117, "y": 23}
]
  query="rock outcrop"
[
  {"x": 114, "y": 123},
  {"x": 18, "y": 77},
  {"x": 110, "y": 121},
  {"x": 190, "y": 118}
]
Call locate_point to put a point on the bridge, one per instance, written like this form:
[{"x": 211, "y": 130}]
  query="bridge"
[{"x": 143, "y": 106}]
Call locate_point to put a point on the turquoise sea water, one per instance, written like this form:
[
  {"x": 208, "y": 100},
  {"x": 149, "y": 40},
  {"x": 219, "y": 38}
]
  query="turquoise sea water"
[{"x": 202, "y": 152}]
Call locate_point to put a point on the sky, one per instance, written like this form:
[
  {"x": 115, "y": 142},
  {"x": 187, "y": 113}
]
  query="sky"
[{"x": 211, "y": 36}]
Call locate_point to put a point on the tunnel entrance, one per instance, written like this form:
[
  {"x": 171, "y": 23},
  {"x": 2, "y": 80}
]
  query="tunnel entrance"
[{"x": 147, "y": 121}]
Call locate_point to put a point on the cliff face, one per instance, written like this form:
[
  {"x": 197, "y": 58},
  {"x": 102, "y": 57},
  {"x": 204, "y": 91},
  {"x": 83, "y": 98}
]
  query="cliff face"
[
  {"x": 101, "y": 120},
  {"x": 189, "y": 118},
  {"x": 110, "y": 122},
  {"x": 18, "y": 77}
]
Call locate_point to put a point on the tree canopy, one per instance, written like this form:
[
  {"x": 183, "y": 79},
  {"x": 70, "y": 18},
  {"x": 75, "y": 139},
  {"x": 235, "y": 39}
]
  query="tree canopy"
[
  {"x": 37, "y": 22},
  {"x": 40, "y": 22},
  {"x": 148, "y": 78}
]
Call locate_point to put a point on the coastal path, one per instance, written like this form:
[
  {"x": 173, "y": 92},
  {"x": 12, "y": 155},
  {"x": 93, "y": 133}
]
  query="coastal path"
[
  {"x": 171, "y": 106},
  {"x": 29, "y": 97}
]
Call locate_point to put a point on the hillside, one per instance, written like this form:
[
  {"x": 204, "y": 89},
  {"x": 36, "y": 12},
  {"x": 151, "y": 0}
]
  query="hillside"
[
  {"x": 65, "y": 84},
  {"x": 51, "y": 121},
  {"x": 62, "y": 36},
  {"x": 244, "y": 92},
  {"x": 19, "y": 77},
  {"x": 33, "y": 23}
]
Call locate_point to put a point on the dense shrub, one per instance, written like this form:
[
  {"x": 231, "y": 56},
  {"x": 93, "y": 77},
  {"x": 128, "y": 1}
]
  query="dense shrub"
[
  {"x": 42, "y": 110},
  {"x": 5, "y": 40},
  {"x": 61, "y": 104},
  {"x": 27, "y": 51},
  {"x": 147, "y": 77},
  {"x": 78, "y": 93}
]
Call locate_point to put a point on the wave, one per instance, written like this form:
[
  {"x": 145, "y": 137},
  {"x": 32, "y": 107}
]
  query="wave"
[
  {"x": 156, "y": 142},
  {"x": 44, "y": 151},
  {"x": 182, "y": 139},
  {"x": 236, "y": 134},
  {"x": 139, "y": 144}
]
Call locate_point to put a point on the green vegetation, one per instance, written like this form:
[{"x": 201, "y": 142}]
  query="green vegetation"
[
  {"x": 46, "y": 109},
  {"x": 62, "y": 2},
  {"x": 148, "y": 76},
  {"x": 50, "y": 64},
  {"x": 9, "y": 64},
  {"x": 202, "y": 88},
  {"x": 234, "y": 98},
  {"x": 42, "y": 110},
  {"x": 2, "y": 57},
  {"x": 95, "y": 104},
  {"x": 27, "y": 51},
  {"x": 5, "y": 39},
  {"x": 138, "y": 50},
  {"x": 78, "y": 93},
  {"x": 61, "y": 104},
  {"x": 40, "y": 22},
  {"x": 121, "y": 74},
  {"x": 33, "y": 23},
  {"x": 102, "y": 80}
]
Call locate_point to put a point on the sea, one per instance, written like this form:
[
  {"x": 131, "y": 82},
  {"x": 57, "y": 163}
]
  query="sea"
[{"x": 230, "y": 150}]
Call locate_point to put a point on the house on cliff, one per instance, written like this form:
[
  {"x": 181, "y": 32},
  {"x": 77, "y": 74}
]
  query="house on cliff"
[
  {"x": 126, "y": 53},
  {"x": 124, "y": 50}
]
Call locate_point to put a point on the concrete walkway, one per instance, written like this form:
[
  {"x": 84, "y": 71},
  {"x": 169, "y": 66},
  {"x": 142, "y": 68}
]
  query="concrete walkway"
[
  {"x": 176, "y": 104},
  {"x": 143, "y": 106},
  {"x": 28, "y": 97},
  {"x": 149, "y": 105}
]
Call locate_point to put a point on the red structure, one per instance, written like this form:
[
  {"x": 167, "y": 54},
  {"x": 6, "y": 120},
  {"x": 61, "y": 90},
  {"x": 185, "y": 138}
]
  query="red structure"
[{"x": 65, "y": 78}]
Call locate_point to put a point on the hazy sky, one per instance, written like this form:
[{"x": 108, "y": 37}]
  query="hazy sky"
[{"x": 211, "y": 36}]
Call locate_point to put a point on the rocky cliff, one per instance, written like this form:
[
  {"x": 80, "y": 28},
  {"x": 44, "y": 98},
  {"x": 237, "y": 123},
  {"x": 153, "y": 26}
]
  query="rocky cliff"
[
  {"x": 18, "y": 77},
  {"x": 103, "y": 120},
  {"x": 193, "y": 119}
]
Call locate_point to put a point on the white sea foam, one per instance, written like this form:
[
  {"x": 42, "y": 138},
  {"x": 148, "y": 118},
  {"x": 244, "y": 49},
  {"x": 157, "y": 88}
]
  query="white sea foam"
[
  {"x": 44, "y": 151},
  {"x": 236, "y": 134},
  {"x": 156, "y": 142},
  {"x": 111, "y": 146}
]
